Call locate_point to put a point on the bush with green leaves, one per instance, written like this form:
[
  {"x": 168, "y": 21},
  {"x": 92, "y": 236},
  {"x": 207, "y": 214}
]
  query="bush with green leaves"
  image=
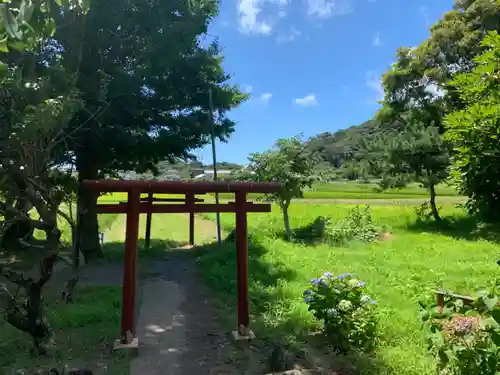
[
  {"x": 474, "y": 130},
  {"x": 356, "y": 226},
  {"x": 345, "y": 309},
  {"x": 465, "y": 339},
  {"x": 424, "y": 212}
]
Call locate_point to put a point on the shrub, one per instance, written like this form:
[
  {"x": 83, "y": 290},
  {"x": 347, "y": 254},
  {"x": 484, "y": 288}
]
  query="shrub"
[
  {"x": 315, "y": 231},
  {"x": 424, "y": 212},
  {"x": 357, "y": 225},
  {"x": 465, "y": 339},
  {"x": 345, "y": 309}
]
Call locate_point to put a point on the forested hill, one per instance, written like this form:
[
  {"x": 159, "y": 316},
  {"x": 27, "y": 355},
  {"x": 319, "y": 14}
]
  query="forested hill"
[
  {"x": 343, "y": 144},
  {"x": 351, "y": 152},
  {"x": 341, "y": 148}
]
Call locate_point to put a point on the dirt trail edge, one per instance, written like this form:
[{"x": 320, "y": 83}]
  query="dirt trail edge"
[{"x": 177, "y": 327}]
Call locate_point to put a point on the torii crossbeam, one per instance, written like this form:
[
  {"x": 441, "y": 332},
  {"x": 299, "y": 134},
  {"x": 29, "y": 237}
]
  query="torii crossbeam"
[{"x": 134, "y": 207}]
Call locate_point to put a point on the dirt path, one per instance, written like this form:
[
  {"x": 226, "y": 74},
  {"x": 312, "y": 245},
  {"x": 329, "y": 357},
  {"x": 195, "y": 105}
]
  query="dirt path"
[{"x": 178, "y": 328}]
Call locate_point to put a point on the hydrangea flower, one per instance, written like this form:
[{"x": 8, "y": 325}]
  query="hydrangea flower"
[
  {"x": 344, "y": 276},
  {"x": 315, "y": 281},
  {"x": 365, "y": 299},
  {"x": 354, "y": 283},
  {"x": 332, "y": 312},
  {"x": 328, "y": 275},
  {"x": 308, "y": 299},
  {"x": 362, "y": 284},
  {"x": 307, "y": 292},
  {"x": 345, "y": 305}
]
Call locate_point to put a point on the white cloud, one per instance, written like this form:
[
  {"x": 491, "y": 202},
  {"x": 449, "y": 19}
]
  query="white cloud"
[
  {"x": 248, "y": 11},
  {"x": 374, "y": 81},
  {"x": 252, "y": 20},
  {"x": 292, "y": 34},
  {"x": 266, "y": 97},
  {"x": 328, "y": 8},
  {"x": 307, "y": 100},
  {"x": 377, "y": 42}
]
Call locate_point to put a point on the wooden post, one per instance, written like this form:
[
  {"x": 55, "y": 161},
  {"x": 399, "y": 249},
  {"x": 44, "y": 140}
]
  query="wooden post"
[
  {"x": 149, "y": 219},
  {"x": 130, "y": 267},
  {"x": 440, "y": 301},
  {"x": 190, "y": 201},
  {"x": 242, "y": 264}
]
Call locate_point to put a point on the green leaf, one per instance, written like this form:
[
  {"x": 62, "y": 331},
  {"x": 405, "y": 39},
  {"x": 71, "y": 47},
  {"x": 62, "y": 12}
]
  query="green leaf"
[
  {"x": 18, "y": 45},
  {"x": 3, "y": 45},
  {"x": 424, "y": 315},
  {"x": 495, "y": 313},
  {"x": 495, "y": 337},
  {"x": 490, "y": 302},
  {"x": 25, "y": 11},
  {"x": 9, "y": 22},
  {"x": 443, "y": 356}
]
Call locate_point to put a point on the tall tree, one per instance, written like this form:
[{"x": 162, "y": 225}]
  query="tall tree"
[
  {"x": 417, "y": 90},
  {"x": 144, "y": 76},
  {"x": 417, "y": 154},
  {"x": 475, "y": 131},
  {"x": 38, "y": 99},
  {"x": 289, "y": 163},
  {"x": 419, "y": 80}
]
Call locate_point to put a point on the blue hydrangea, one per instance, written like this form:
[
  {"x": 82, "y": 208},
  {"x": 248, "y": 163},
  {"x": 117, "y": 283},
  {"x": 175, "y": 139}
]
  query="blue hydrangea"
[
  {"x": 344, "y": 276},
  {"x": 307, "y": 292},
  {"x": 315, "y": 281},
  {"x": 308, "y": 299},
  {"x": 328, "y": 275},
  {"x": 362, "y": 283}
]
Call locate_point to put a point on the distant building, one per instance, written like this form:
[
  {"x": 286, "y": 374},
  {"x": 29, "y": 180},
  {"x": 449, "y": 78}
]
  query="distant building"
[
  {"x": 171, "y": 174},
  {"x": 209, "y": 173}
]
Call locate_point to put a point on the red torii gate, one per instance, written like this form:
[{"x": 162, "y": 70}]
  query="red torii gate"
[{"x": 134, "y": 207}]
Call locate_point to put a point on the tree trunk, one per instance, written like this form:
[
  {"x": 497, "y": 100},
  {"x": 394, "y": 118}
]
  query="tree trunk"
[
  {"x": 435, "y": 213},
  {"x": 286, "y": 221},
  {"x": 87, "y": 214}
]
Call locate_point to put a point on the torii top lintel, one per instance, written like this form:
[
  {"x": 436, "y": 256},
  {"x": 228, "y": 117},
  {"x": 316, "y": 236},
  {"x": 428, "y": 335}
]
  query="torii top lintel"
[{"x": 179, "y": 187}]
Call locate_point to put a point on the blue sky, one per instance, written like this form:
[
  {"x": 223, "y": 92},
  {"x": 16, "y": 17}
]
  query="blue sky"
[{"x": 311, "y": 66}]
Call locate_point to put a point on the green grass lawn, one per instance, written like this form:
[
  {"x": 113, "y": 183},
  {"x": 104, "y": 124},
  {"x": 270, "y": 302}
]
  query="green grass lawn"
[
  {"x": 83, "y": 331},
  {"x": 399, "y": 272}
]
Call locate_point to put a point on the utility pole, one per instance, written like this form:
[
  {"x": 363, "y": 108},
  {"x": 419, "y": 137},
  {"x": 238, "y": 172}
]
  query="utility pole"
[{"x": 214, "y": 158}]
